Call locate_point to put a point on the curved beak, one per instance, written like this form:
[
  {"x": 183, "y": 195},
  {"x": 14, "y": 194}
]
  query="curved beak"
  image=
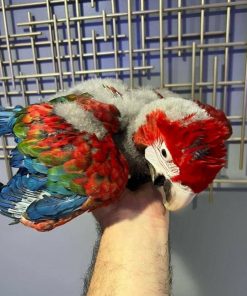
[
  {"x": 178, "y": 198},
  {"x": 175, "y": 196}
]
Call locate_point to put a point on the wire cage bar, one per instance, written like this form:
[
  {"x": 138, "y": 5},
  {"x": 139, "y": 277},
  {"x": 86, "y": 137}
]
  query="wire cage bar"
[{"x": 47, "y": 46}]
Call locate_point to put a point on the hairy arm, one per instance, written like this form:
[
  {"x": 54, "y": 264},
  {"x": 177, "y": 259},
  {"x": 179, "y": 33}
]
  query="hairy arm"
[{"x": 133, "y": 257}]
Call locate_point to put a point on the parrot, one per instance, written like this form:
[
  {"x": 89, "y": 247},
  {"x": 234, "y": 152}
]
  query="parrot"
[{"x": 80, "y": 149}]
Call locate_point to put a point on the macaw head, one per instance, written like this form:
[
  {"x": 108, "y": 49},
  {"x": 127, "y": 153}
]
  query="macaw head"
[{"x": 183, "y": 144}]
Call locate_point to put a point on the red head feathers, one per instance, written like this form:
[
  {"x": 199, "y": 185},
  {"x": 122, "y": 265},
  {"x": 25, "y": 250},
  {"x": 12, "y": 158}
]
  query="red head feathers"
[{"x": 196, "y": 146}]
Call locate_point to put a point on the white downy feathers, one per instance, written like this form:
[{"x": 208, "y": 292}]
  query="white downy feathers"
[
  {"x": 132, "y": 104},
  {"x": 81, "y": 119},
  {"x": 129, "y": 104}
]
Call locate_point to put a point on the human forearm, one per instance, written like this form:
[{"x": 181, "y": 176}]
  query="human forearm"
[{"x": 133, "y": 259}]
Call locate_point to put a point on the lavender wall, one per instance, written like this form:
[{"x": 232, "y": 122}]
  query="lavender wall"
[{"x": 208, "y": 241}]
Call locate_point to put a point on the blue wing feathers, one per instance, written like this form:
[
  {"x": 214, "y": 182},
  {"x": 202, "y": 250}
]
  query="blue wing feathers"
[
  {"x": 28, "y": 194},
  {"x": 23, "y": 180},
  {"x": 54, "y": 208},
  {"x": 36, "y": 166},
  {"x": 8, "y": 119},
  {"x": 16, "y": 158},
  {"x": 22, "y": 186}
]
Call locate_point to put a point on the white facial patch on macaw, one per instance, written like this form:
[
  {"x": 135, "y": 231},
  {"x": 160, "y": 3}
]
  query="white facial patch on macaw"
[
  {"x": 160, "y": 158},
  {"x": 178, "y": 195}
]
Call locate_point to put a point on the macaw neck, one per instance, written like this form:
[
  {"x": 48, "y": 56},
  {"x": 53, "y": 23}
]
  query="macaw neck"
[{"x": 135, "y": 158}]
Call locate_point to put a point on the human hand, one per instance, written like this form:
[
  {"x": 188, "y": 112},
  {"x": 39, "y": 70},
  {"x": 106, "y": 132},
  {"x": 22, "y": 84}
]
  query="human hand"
[
  {"x": 134, "y": 242},
  {"x": 144, "y": 204}
]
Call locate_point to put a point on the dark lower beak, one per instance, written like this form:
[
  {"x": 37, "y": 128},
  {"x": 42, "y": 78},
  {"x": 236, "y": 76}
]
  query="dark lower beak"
[
  {"x": 167, "y": 189},
  {"x": 174, "y": 196},
  {"x": 160, "y": 181}
]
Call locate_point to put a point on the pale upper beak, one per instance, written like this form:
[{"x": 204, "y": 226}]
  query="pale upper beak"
[{"x": 175, "y": 196}]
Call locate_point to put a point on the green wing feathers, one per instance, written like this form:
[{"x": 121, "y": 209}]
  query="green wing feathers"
[{"x": 75, "y": 161}]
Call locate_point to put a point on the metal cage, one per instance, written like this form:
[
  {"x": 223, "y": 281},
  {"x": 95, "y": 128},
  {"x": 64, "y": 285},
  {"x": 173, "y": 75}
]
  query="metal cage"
[{"x": 191, "y": 47}]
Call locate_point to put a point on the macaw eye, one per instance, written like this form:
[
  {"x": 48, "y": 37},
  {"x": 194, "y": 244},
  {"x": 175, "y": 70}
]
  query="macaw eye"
[{"x": 163, "y": 152}]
